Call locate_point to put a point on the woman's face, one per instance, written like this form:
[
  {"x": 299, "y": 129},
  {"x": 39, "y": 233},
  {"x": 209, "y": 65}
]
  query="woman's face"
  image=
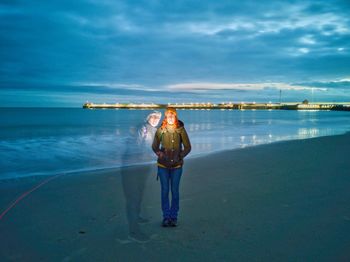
[{"x": 170, "y": 117}]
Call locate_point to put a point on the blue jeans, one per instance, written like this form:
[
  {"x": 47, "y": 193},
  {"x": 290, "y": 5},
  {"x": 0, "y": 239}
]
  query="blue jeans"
[{"x": 170, "y": 176}]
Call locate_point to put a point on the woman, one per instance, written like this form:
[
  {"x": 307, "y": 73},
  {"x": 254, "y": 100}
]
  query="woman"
[
  {"x": 171, "y": 136},
  {"x": 134, "y": 180}
]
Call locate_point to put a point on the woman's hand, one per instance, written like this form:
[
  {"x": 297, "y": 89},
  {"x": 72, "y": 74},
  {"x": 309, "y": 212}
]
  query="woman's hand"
[{"x": 160, "y": 154}]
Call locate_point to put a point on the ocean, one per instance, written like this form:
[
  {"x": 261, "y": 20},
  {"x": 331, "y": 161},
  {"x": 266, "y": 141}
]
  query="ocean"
[{"x": 46, "y": 141}]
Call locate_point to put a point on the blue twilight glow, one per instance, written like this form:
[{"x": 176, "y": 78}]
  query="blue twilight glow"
[{"x": 62, "y": 53}]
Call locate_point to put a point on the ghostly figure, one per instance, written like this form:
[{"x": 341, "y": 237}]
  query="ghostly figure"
[
  {"x": 149, "y": 128},
  {"x": 138, "y": 147}
]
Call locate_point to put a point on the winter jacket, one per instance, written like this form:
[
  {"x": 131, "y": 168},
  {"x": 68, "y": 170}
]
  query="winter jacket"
[{"x": 174, "y": 143}]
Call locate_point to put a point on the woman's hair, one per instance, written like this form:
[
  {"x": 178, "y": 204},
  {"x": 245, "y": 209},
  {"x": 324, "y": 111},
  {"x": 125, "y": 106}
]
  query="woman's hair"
[{"x": 165, "y": 121}]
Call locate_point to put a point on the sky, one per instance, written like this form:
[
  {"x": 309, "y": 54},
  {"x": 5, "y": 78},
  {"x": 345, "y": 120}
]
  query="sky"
[{"x": 64, "y": 53}]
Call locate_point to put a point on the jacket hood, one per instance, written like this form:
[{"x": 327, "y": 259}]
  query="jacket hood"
[
  {"x": 155, "y": 113},
  {"x": 181, "y": 124}
]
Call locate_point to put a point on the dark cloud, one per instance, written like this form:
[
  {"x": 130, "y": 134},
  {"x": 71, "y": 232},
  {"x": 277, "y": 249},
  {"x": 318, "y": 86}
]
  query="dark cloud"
[{"x": 51, "y": 44}]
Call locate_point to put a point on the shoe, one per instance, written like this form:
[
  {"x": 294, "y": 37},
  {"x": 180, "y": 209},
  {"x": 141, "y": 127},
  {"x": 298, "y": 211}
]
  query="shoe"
[
  {"x": 173, "y": 222},
  {"x": 166, "y": 222}
]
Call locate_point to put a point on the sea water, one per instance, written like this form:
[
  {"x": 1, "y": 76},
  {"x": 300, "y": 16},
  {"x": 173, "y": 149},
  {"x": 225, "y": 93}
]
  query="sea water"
[{"x": 46, "y": 141}]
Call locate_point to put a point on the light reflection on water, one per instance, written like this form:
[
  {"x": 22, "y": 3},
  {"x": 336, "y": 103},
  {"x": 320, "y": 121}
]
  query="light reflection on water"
[
  {"x": 249, "y": 128},
  {"x": 45, "y": 141}
]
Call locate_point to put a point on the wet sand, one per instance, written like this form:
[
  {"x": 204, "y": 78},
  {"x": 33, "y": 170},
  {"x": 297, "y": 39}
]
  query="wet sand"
[{"x": 287, "y": 201}]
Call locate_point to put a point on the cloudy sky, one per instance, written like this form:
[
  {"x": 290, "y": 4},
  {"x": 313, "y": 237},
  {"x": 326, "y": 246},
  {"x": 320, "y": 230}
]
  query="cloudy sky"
[{"x": 63, "y": 53}]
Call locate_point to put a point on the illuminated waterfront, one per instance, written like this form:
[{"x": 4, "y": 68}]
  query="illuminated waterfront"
[{"x": 342, "y": 106}]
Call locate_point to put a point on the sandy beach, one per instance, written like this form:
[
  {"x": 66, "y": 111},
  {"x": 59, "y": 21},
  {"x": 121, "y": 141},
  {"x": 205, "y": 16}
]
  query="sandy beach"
[{"x": 286, "y": 201}]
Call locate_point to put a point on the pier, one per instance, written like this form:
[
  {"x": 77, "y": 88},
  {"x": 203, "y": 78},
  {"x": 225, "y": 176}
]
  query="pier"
[{"x": 305, "y": 105}]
